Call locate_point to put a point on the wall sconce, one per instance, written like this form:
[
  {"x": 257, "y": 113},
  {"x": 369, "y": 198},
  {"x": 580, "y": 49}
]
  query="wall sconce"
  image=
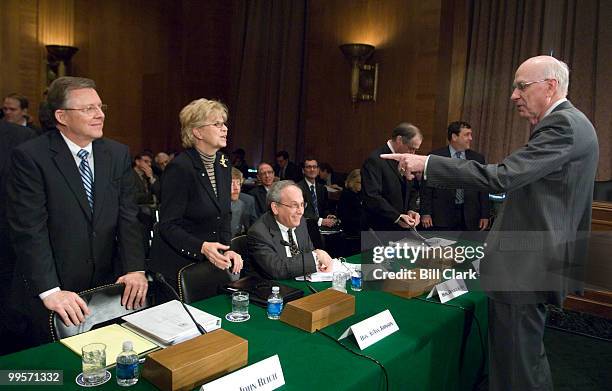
[
  {"x": 364, "y": 77},
  {"x": 58, "y": 59}
]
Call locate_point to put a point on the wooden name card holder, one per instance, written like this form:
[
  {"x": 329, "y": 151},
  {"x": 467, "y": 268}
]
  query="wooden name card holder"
[
  {"x": 319, "y": 310},
  {"x": 409, "y": 288},
  {"x": 194, "y": 362}
]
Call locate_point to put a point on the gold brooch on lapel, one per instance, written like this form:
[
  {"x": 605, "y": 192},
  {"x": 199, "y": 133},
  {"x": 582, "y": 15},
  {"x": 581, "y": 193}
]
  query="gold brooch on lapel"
[{"x": 223, "y": 161}]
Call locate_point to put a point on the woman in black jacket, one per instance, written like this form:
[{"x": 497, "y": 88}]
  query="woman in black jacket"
[{"x": 195, "y": 215}]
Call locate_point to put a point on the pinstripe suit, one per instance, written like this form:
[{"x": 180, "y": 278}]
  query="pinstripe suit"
[{"x": 536, "y": 250}]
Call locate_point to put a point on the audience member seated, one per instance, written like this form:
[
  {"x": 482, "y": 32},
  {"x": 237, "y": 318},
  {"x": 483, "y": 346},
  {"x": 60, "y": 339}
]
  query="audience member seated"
[
  {"x": 161, "y": 161},
  {"x": 243, "y": 206},
  {"x": 350, "y": 208},
  {"x": 315, "y": 196},
  {"x": 15, "y": 109},
  {"x": 147, "y": 184},
  {"x": 328, "y": 177},
  {"x": 265, "y": 176},
  {"x": 285, "y": 169},
  {"x": 239, "y": 163},
  {"x": 279, "y": 245}
]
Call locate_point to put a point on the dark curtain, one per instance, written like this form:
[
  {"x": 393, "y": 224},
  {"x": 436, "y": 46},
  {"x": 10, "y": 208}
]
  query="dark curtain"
[
  {"x": 267, "y": 60},
  {"x": 504, "y": 33}
]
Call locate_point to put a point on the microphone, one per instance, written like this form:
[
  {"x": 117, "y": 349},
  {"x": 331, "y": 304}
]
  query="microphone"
[
  {"x": 158, "y": 277},
  {"x": 286, "y": 244}
]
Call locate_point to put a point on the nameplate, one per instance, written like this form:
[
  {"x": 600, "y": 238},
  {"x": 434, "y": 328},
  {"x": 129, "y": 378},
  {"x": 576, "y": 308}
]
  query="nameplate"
[
  {"x": 448, "y": 290},
  {"x": 266, "y": 375},
  {"x": 371, "y": 330}
]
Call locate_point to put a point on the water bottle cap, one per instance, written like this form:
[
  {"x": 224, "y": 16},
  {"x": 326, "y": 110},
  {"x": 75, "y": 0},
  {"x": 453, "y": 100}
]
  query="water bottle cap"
[
  {"x": 275, "y": 289},
  {"x": 127, "y": 346}
]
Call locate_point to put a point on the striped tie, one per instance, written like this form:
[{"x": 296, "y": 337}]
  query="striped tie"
[
  {"x": 459, "y": 194},
  {"x": 86, "y": 176}
]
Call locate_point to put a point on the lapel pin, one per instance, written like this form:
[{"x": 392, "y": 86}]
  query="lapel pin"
[{"x": 223, "y": 161}]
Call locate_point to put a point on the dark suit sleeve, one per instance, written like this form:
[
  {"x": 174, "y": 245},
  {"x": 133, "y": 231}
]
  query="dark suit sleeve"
[
  {"x": 225, "y": 234},
  {"x": 129, "y": 229},
  {"x": 375, "y": 203},
  {"x": 277, "y": 266},
  {"x": 483, "y": 196},
  {"x": 547, "y": 150},
  {"x": 27, "y": 218},
  {"x": 426, "y": 199},
  {"x": 413, "y": 195},
  {"x": 175, "y": 188}
]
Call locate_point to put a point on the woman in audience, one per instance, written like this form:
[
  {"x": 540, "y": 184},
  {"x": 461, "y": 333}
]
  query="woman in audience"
[
  {"x": 350, "y": 210},
  {"x": 195, "y": 216}
]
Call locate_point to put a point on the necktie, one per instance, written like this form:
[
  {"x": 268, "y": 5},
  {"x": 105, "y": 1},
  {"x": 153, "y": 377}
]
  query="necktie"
[
  {"x": 313, "y": 195},
  {"x": 86, "y": 176},
  {"x": 292, "y": 246},
  {"x": 459, "y": 193}
]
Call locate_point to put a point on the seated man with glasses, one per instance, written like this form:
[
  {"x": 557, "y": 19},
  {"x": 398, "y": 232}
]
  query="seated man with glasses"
[
  {"x": 315, "y": 195},
  {"x": 278, "y": 242}
]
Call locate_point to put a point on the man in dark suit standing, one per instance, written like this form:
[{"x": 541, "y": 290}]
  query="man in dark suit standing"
[
  {"x": 455, "y": 209},
  {"x": 71, "y": 212},
  {"x": 265, "y": 175},
  {"x": 389, "y": 199},
  {"x": 315, "y": 195},
  {"x": 11, "y": 135},
  {"x": 536, "y": 251},
  {"x": 279, "y": 238}
]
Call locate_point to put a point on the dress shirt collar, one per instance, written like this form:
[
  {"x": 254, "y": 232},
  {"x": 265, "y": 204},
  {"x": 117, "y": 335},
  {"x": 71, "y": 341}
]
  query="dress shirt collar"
[
  {"x": 282, "y": 227},
  {"x": 308, "y": 182},
  {"x": 74, "y": 149},
  {"x": 553, "y": 106},
  {"x": 453, "y": 151},
  {"x": 390, "y": 146}
]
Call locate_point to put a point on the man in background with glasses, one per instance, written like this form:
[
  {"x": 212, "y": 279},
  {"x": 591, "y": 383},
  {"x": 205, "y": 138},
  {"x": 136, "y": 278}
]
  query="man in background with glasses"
[
  {"x": 279, "y": 244},
  {"x": 72, "y": 213},
  {"x": 537, "y": 248}
]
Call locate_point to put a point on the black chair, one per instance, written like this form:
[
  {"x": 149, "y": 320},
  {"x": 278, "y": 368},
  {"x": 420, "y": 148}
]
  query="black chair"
[
  {"x": 200, "y": 280},
  {"x": 105, "y": 305}
]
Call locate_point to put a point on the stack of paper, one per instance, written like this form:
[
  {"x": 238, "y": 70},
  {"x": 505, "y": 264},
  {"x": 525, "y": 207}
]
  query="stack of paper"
[
  {"x": 113, "y": 337},
  {"x": 169, "y": 324}
]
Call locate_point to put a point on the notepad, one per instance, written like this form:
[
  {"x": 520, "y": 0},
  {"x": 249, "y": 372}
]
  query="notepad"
[{"x": 113, "y": 337}]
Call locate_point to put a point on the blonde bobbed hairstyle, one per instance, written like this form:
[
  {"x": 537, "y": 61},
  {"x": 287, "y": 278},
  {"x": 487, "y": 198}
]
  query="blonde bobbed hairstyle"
[{"x": 195, "y": 115}]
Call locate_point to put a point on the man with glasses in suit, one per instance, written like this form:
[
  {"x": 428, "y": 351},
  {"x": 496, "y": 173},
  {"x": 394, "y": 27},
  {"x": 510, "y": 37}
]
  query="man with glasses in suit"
[
  {"x": 279, "y": 244},
  {"x": 537, "y": 248},
  {"x": 72, "y": 213}
]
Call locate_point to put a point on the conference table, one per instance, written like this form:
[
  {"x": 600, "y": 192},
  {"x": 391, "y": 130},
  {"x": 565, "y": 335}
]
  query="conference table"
[{"x": 437, "y": 347}]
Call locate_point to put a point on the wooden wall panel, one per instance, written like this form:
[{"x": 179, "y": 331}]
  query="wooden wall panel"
[
  {"x": 406, "y": 35},
  {"x": 20, "y": 51},
  {"x": 119, "y": 42}
]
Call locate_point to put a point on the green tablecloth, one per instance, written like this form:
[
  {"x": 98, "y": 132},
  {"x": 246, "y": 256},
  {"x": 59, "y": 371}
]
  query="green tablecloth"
[{"x": 437, "y": 347}]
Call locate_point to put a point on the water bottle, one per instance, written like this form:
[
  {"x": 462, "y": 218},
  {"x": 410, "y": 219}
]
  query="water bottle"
[
  {"x": 275, "y": 303},
  {"x": 127, "y": 366}
]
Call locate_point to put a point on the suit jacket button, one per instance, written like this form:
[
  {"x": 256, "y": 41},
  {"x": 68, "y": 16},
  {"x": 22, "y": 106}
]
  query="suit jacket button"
[{"x": 214, "y": 232}]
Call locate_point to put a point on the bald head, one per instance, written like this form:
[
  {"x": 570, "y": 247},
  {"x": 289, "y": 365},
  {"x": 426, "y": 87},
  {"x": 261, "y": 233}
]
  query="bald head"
[
  {"x": 538, "y": 83},
  {"x": 547, "y": 67}
]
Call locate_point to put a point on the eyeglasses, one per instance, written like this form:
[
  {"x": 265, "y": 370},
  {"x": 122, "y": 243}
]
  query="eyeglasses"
[
  {"x": 295, "y": 207},
  {"x": 217, "y": 124},
  {"x": 311, "y": 166},
  {"x": 90, "y": 110},
  {"x": 522, "y": 85}
]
